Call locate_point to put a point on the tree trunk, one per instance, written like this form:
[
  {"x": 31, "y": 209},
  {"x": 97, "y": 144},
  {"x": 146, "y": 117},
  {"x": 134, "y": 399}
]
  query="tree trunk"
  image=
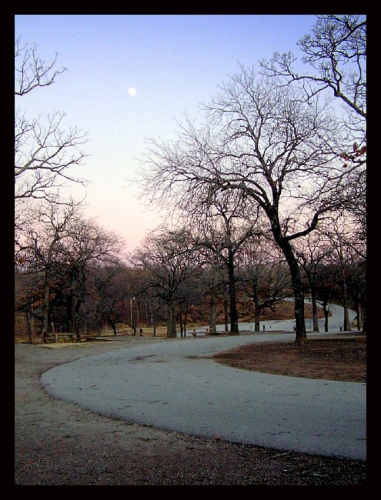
[
  {"x": 363, "y": 310},
  {"x": 359, "y": 315},
  {"x": 69, "y": 313},
  {"x": 185, "y": 323},
  {"x": 154, "y": 323},
  {"x": 113, "y": 325},
  {"x": 213, "y": 314},
  {"x": 257, "y": 309},
  {"x": 183, "y": 319},
  {"x": 226, "y": 311},
  {"x": 315, "y": 319},
  {"x": 45, "y": 319},
  {"x": 77, "y": 320},
  {"x": 232, "y": 297},
  {"x": 325, "y": 316},
  {"x": 28, "y": 321},
  {"x": 171, "y": 321},
  {"x": 347, "y": 325},
  {"x": 297, "y": 286},
  {"x": 286, "y": 247},
  {"x": 257, "y": 320}
]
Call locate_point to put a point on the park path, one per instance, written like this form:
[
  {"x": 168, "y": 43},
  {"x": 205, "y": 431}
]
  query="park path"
[{"x": 175, "y": 385}]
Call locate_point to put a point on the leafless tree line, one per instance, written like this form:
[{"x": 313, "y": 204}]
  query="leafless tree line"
[
  {"x": 273, "y": 141},
  {"x": 70, "y": 277},
  {"x": 265, "y": 194}
]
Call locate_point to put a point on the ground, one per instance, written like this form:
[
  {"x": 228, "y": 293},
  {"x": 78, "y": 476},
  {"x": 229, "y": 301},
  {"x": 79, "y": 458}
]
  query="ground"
[
  {"x": 58, "y": 443},
  {"x": 339, "y": 357}
]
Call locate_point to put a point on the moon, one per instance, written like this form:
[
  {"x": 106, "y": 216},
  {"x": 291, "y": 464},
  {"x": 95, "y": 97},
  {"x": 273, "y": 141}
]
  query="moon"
[{"x": 132, "y": 91}]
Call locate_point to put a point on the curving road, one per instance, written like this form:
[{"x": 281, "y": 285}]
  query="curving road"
[
  {"x": 335, "y": 322},
  {"x": 173, "y": 384}
]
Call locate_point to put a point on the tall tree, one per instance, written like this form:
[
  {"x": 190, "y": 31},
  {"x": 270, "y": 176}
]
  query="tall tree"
[
  {"x": 263, "y": 275},
  {"x": 60, "y": 247},
  {"x": 107, "y": 295},
  {"x": 44, "y": 150},
  {"x": 41, "y": 249},
  {"x": 170, "y": 260},
  {"x": 221, "y": 227},
  {"x": 311, "y": 252},
  {"x": 340, "y": 235},
  {"x": 336, "y": 51},
  {"x": 263, "y": 141},
  {"x": 327, "y": 290},
  {"x": 335, "y": 57}
]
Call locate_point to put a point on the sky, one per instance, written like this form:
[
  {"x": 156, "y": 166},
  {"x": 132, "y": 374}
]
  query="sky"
[{"x": 174, "y": 63}]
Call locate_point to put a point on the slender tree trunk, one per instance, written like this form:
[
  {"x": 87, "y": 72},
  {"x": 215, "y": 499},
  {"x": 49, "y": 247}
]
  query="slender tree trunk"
[
  {"x": 182, "y": 322},
  {"x": 213, "y": 314},
  {"x": 77, "y": 320},
  {"x": 45, "y": 321},
  {"x": 69, "y": 312},
  {"x": 213, "y": 306},
  {"x": 315, "y": 319},
  {"x": 232, "y": 297},
  {"x": 226, "y": 311},
  {"x": 185, "y": 323},
  {"x": 326, "y": 312},
  {"x": 257, "y": 309},
  {"x": 257, "y": 321},
  {"x": 363, "y": 310},
  {"x": 347, "y": 325},
  {"x": 154, "y": 323},
  {"x": 113, "y": 325},
  {"x": 28, "y": 322},
  {"x": 359, "y": 315}
]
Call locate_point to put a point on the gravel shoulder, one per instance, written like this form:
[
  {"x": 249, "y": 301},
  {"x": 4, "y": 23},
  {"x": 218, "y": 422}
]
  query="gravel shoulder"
[{"x": 59, "y": 443}]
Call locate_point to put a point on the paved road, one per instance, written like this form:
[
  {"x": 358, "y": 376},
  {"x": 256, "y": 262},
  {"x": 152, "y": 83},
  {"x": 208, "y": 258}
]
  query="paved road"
[
  {"x": 175, "y": 385},
  {"x": 335, "y": 322}
]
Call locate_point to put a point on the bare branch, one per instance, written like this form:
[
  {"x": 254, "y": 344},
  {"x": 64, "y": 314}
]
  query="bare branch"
[{"x": 31, "y": 71}]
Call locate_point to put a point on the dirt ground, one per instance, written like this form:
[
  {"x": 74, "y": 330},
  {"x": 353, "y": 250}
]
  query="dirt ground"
[
  {"x": 58, "y": 443},
  {"x": 340, "y": 357}
]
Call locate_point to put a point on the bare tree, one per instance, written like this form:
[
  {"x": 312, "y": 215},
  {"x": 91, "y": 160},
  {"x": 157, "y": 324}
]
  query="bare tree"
[
  {"x": 336, "y": 51},
  {"x": 264, "y": 275},
  {"x": 40, "y": 250},
  {"x": 109, "y": 291},
  {"x": 311, "y": 252},
  {"x": 340, "y": 236},
  {"x": 356, "y": 286},
  {"x": 32, "y": 72},
  {"x": 28, "y": 294},
  {"x": 60, "y": 248},
  {"x": 220, "y": 226},
  {"x": 170, "y": 260},
  {"x": 265, "y": 142},
  {"x": 44, "y": 151},
  {"x": 86, "y": 244},
  {"x": 327, "y": 290}
]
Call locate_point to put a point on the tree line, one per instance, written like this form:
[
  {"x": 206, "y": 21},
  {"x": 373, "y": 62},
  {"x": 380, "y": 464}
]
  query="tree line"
[
  {"x": 270, "y": 182},
  {"x": 70, "y": 278}
]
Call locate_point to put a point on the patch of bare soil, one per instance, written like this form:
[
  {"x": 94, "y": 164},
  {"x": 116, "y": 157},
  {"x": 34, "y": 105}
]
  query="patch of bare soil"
[{"x": 341, "y": 359}]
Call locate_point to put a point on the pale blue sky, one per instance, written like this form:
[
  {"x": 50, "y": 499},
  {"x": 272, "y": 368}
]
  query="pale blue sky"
[{"x": 175, "y": 62}]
